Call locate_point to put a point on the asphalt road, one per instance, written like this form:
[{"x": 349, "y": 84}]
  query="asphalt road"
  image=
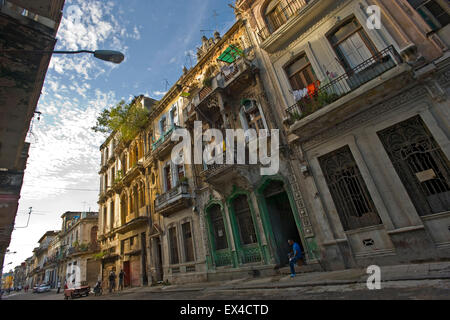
[{"x": 429, "y": 290}]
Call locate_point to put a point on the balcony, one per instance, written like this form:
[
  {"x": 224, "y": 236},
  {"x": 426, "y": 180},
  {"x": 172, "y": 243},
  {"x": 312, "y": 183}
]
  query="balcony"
[
  {"x": 174, "y": 200},
  {"x": 164, "y": 144},
  {"x": 229, "y": 78},
  {"x": 132, "y": 224},
  {"x": 82, "y": 249},
  {"x": 340, "y": 99},
  {"x": 133, "y": 173},
  {"x": 222, "y": 175},
  {"x": 278, "y": 19},
  {"x": 294, "y": 19}
]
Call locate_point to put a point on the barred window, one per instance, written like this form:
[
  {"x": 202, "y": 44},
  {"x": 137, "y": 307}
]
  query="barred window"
[
  {"x": 218, "y": 227},
  {"x": 436, "y": 13},
  {"x": 348, "y": 190},
  {"x": 244, "y": 220},
  {"x": 420, "y": 163},
  {"x": 188, "y": 244},
  {"x": 173, "y": 242}
]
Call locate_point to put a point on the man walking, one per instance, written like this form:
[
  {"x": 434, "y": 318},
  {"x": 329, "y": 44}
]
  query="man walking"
[
  {"x": 59, "y": 286},
  {"x": 294, "y": 256},
  {"x": 121, "y": 276},
  {"x": 112, "y": 281}
]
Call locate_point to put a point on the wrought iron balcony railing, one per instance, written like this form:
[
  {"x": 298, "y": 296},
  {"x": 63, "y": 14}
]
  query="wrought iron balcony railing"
[
  {"x": 337, "y": 88},
  {"x": 280, "y": 16}
]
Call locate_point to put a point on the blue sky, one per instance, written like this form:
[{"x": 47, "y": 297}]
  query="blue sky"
[{"x": 156, "y": 37}]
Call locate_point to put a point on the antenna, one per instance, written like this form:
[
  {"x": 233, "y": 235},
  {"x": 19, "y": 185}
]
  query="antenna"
[
  {"x": 215, "y": 15},
  {"x": 167, "y": 84}
]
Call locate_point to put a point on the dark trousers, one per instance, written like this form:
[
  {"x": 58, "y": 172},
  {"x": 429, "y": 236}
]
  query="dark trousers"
[
  {"x": 112, "y": 286},
  {"x": 120, "y": 284}
]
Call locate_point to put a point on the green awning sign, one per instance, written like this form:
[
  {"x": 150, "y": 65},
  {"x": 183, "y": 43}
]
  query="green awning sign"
[{"x": 230, "y": 54}]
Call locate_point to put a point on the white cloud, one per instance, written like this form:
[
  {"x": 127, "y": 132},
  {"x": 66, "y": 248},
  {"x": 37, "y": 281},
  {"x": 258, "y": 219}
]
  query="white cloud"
[
  {"x": 159, "y": 93},
  {"x": 90, "y": 25}
]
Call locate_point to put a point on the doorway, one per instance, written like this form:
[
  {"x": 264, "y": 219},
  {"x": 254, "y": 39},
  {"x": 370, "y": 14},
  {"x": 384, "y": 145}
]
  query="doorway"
[
  {"x": 159, "y": 263},
  {"x": 282, "y": 221},
  {"x": 127, "y": 272}
]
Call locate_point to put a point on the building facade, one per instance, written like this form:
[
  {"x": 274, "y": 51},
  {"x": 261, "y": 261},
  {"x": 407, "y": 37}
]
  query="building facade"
[
  {"x": 366, "y": 116},
  {"x": 124, "y": 207},
  {"x": 77, "y": 259}
]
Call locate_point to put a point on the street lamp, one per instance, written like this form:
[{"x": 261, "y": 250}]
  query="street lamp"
[{"x": 105, "y": 55}]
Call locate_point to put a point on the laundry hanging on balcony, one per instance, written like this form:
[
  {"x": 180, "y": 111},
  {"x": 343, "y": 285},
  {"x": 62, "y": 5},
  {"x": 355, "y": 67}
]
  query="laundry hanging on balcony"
[{"x": 231, "y": 54}]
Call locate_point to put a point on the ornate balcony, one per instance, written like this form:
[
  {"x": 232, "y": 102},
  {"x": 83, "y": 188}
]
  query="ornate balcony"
[
  {"x": 278, "y": 19},
  {"x": 164, "y": 145},
  {"x": 295, "y": 18},
  {"x": 341, "y": 98},
  {"x": 132, "y": 224},
  {"x": 174, "y": 200}
]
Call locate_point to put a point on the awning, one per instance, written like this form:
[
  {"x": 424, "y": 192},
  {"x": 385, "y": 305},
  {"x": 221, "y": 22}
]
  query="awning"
[{"x": 230, "y": 54}]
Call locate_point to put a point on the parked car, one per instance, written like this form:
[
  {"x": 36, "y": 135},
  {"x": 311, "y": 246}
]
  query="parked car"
[
  {"x": 35, "y": 288},
  {"x": 77, "y": 292},
  {"x": 43, "y": 288}
]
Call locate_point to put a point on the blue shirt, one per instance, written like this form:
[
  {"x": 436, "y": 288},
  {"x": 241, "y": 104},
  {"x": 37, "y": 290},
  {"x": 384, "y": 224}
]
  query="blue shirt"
[{"x": 297, "y": 250}]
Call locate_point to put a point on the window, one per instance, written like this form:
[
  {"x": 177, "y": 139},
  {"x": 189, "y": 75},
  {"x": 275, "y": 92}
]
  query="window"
[
  {"x": 218, "y": 228},
  {"x": 420, "y": 163},
  {"x": 141, "y": 196},
  {"x": 352, "y": 45},
  {"x": 131, "y": 241},
  {"x": 300, "y": 73},
  {"x": 252, "y": 117},
  {"x": 174, "y": 259},
  {"x": 173, "y": 115},
  {"x": 163, "y": 125},
  {"x": 131, "y": 204},
  {"x": 244, "y": 220},
  {"x": 436, "y": 13},
  {"x": 348, "y": 190},
  {"x": 167, "y": 178},
  {"x": 111, "y": 220},
  {"x": 188, "y": 244},
  {"x": 180, "y": 172},
  {"x": 104, "y": 219},
  {"x": 123, "y": 209}
]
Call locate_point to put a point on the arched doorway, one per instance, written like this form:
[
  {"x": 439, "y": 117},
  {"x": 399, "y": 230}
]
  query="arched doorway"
[{"x": 281, "y": 218}]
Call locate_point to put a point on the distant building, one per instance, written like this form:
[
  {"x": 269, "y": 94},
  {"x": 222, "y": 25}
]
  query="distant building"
[{"x": 77, "y": 259}]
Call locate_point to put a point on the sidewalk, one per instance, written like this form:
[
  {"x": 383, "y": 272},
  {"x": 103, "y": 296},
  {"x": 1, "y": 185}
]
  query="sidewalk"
[
  {"x": 424, "y": 271},
  {"x": 413, "y": 272}
]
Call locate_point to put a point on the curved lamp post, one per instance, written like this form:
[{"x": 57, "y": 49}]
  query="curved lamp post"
[{"x": 105, "y": 55}]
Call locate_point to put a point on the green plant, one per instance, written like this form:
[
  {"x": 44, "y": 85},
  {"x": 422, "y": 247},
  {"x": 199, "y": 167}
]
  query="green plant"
[
  {"x": 127, "y": 119},
  {"x": 75, "y": 244},
  {"x": 100, "y": 255}
]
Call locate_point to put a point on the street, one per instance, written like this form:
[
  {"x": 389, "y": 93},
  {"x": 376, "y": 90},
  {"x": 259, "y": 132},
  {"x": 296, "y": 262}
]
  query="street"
[{"x": 394, "y": 290}]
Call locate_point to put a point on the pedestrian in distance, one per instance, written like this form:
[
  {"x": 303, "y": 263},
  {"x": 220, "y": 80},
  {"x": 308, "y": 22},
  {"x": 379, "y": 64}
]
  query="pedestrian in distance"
[
  {"x": 59, "y": 286},
  {"x": 294, "y": 256},
  {"x": 121, "y": 278},
  {"x": 112, "y": 281}
]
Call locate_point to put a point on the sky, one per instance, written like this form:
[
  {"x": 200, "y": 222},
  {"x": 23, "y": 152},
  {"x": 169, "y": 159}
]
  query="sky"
[{"x": 158, "y": 38}]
